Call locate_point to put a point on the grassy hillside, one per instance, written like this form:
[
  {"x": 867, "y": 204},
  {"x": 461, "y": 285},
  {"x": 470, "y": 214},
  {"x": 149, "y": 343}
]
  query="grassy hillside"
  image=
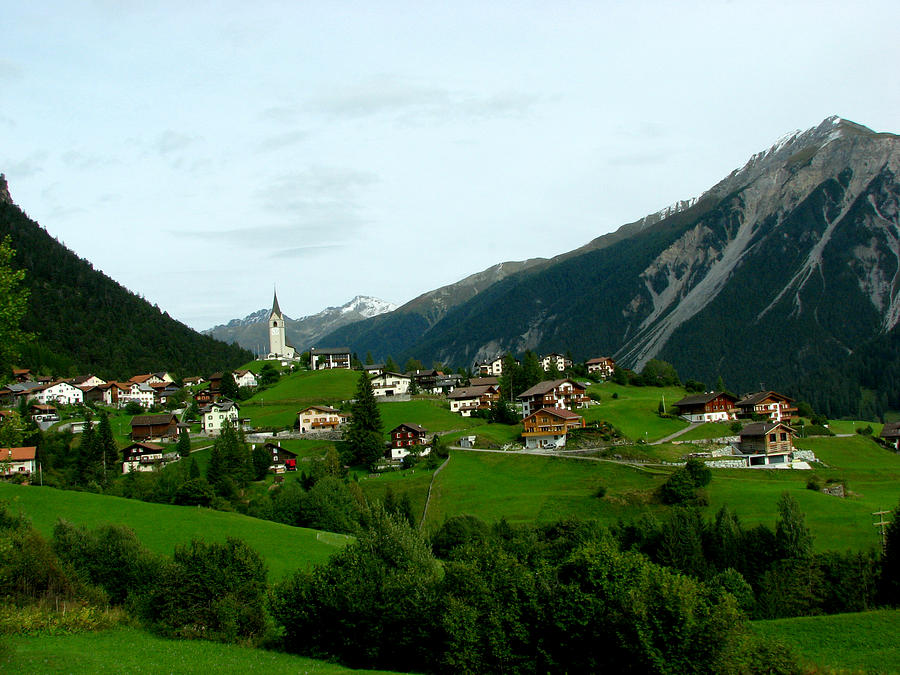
[
  {"x": 161, "y": 526},
  {"x": 840, "y": 643},
  {"x": 129, "y": 650},
  {"x": 633, "y": 411}
]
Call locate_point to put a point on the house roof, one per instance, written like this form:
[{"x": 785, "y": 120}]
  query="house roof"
[
  {"x": 762, "y": 428},
  {"x": 330, "y": 350},
  {"x": 323, "y": 408},
  {"x": 556, "y": 412},
  {"x": 373, "y": 366},
  {"x": 41, "y": 406},
  {"x": 412, "y": 427},
  {"x": 149, "y": 447},
  {"x": 481, "y": 381},
  {"x": 222, "y": 404},
  {"x": 152, "y": 420},
  {"x": 697, "y": 399},
  {"x": 281, "y": 451},
  {"x": 241, "y": 373},
  {"x": 600, "y": 359},
  {"x": 388, "y": 373},
  {"x": 548, "y": 385},
  {"x": 23, "y": 454},
  {"x": 471, "y": 392},
  {"x": 140, "y": 379},
  {"x": 758, "y": 397},
  {"x": 891, "y": 430}
]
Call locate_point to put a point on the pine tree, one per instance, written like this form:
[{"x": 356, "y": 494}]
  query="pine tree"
[
  {"x": 107, "y": 448},
  {"x": 792, "y": 537},
  {"x": 88, "y": 467},
  {"x": 532, "y": 373},
  {"x": 229, "y": 388},
  {"x": 365, "y": 433},
  {"x": 184, "y": 444}
]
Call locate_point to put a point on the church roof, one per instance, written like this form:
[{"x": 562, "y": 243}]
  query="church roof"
[{"x": 276, "y": 310}]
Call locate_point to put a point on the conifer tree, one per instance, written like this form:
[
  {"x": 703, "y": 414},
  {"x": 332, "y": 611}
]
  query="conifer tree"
[
  {"x": 107, "y": 448},
  {"x": 194, "y": 470},
  {"x": 532, "y": 373},
  {"x": 184, "y": 443},
  {"x": 89, "y": 465},
  {"x": 792, "y": 537},
  {"x": 364, "y": 435}
]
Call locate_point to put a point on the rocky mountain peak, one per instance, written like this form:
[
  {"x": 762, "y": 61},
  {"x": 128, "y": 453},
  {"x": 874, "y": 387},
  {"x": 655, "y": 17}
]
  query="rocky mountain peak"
[{"x": 5, "y": 197}]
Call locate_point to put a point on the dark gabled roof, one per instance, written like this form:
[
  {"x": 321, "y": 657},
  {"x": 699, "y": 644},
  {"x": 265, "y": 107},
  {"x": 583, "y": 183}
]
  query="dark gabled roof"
[
  {"x": 481, "y": 381},
  {"x": 281, "y": 451},
  {"x": 224, "y": 404},
  {"x": 148, "y": 420},
  {"x": 762, "y": 428},
  {"x": 891, "y": 430},
  {"x": 329, "y": 350},
  {"x": 470, "y": 392},
  {"x": 151, "y": 447},
  {"x": 753, "y": 399},
  {"x": 323, "y": 408},
  {"x": 697, "y": 399},
  {"x": 547, "y": 385},
  {"x": 387, "y": 373},
  {"x": 412, "y": 427}
]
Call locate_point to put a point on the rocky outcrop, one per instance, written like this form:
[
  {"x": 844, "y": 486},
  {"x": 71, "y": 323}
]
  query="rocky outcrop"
[{"x": 5, "y": 197}]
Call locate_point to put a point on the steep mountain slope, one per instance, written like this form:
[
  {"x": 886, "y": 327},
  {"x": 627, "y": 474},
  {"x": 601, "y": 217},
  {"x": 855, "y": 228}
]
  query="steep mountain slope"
[
  {"x": 86, "y": 322},
  {"x": 789, "y": 263},
  {"x": 252, "y": 333}
]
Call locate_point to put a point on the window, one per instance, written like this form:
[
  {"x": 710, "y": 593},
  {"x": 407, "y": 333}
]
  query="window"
[
  {"x": 771, "y": 438},
  {"x": 783, "y": 436}
]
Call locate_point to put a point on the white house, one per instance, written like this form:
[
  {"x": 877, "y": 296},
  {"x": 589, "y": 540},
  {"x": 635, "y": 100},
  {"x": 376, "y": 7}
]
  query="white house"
[
  {"x": 326, "y": 359},
  {"x": 487, "y": 368},
  {"x": 244, "y": 378},
  {"x": 213, "y": 416},
  {"x": 18, "y": 460},
  {"x": 603, "y": 365},
  {"x": 141, "y": 393},
  {"x": 318, "y": 417},
  {"x": 390, "y": 384},
  {"x": 465, "y": 400},
  {"x": 555, "y": 361},
  {"x": 565, "y": 394},
  {"x": 59, "y": 392}
]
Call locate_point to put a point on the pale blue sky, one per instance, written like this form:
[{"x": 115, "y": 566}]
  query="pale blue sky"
[{"x": 199, "y": 153}]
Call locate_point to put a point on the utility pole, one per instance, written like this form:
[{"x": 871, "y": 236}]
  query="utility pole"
[{"x": 882, "y": 524}]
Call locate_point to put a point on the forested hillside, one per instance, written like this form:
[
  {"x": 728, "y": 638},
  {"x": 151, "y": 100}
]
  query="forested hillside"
[{"x": 83, "y": 321}]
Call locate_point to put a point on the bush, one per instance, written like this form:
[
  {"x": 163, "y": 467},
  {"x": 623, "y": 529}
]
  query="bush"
[
  {"x": 813, "y": 483},
  {"x": 134, "y": 408},
  {"x": 600, "y": 492},
  {"x": 699, "y": 472}
]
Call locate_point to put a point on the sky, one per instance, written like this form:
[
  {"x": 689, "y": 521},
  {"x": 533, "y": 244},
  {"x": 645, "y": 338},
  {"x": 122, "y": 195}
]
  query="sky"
[{"x": 203, "y": 153}]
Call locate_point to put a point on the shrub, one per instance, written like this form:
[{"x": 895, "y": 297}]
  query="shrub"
[
  {"x": 699, "y": 472},
  {"x": 813, "y": 483},
  {"x": 600, "y": 492}
]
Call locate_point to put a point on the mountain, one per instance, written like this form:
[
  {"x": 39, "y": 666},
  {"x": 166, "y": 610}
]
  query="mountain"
[
  {"x": 252, "y": 333},
  {"x": 788, "y": 265},
  {"x": 83, "y": 321}
]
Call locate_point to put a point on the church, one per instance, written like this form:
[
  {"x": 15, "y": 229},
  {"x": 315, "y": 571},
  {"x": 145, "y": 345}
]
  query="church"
[{"x": 278, "y": 344}]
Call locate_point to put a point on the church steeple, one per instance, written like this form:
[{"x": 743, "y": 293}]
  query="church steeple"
[{"x": 276, "y": 310}]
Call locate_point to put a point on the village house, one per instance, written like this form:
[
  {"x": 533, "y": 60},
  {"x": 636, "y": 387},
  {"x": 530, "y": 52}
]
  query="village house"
[
  {"x": 373, "y": 369},
  {"x": 147, "y": 378},
  {"x": 767, "y": 443},
  {"x": 205, "y": 396},
  {"x": 21, "y": 374},
  {"x": 603, "y": 365},
  {"x": 466, "y": 400},
  {"x": 768, "y": 405},
  {"x": 714, "y": 406},
  {"x": 215, "y": 383},
  {"x": 890, "y": 434},
  {"x": 566, "y": 394},
  {"x": 327, "y": 359},
  {"x": 138, "y": 392},
  {"x": 547, "y": 428},
  {"x": 145, "y": 427},
  {"x": 192, "y": 380},
  {"x": 245, "y": 378},
  {"x": 91, "y": 394},
  {"x": 163, "y": 391},
  {"x": 318, "y": 418},
  {"x": 214, "y": 416},
  {"x": 482, "y": 381},
  {"x": 390, "y": 384},
  {"x": 444, "y": 384},
  {"x": 59, "y": 392},
  {"x": 18, "y": 461},
  {"x": 555, "y": 362},
  {"x": 113, "y": 391},
  {"x": 406, "y": 436},
  {"x": 87, "y": 381},
  {"x": 493, "y": 367},
  {"x": 282, "y": 459},
  {"x": 11, "y": 394},
  {"x": 41, "y": 412},
  {"x": 142, "y": 456}
]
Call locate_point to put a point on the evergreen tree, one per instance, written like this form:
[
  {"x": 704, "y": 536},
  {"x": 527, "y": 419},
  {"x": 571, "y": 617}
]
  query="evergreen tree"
[
  {"x": 890, "y": 562},
  {"x": 229, "y": 388},
  {"x": 365, "y": 433},
  {"x": 184, "y": 444},
  {"x": 532, "y": 373},
  {"x": 215, "y": 469},
  {"x": 194, "y": 470},
  {"x": 413, "y": 365},
  {"x": 390, "y": 365},
  {"x": 107, "y": 448},
  {"x": 13, "y": 306},
  {"x": 260, "y": 460},
  {"x": 792, "y": 537},
  {"x": 89, "y": 465},
  {"x": 369, "y": 360}
]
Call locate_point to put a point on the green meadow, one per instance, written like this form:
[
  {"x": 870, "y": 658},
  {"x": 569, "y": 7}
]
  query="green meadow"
[
  {"x": 840, "y": 643},
  {"x": 160, "y": 526},
  {"x": 634, "y": 410},
  {"x": 128, "y": 650}
]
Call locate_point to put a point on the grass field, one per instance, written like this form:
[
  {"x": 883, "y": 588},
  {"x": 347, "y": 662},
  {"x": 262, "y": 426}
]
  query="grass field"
[
  {"x": 414, "y": 482},
  {"x": 528, "y": 488},
  {"x": 708, "y": 431},
  {"x": 320, "y": 386},
  {"x": 128, "y": 650},
  {"x": 841, "y": 643},
  {"x": 634, "y": 410},
  {"x": 160, "y": 526},
  {"x": 430, "y": 413}
]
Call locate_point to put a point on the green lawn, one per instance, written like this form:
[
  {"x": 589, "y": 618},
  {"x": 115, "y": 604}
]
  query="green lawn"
[
  {"x": 161, "y": 526},
  {"x": 529, "y": 488},
  {"x": 707, "y": 431},
  {"x": 320, "y": 386},
  {"x": 633, "y": 412},
  {"x": 429, "y": 413},
  {"x": 840, "y": 643},
  {"x": 413, "y": 482},
  {"x": 128, "y": 650}
]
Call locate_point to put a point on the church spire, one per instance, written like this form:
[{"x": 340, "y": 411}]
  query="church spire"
[{"x": 276, "y": 310}]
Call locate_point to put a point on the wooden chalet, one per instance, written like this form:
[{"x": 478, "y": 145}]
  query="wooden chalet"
[
  {"x": 890, "y": 434},
  {"x": 318, "y": 418},
  {"x": 714, "y": 406},
  {"x": 603, "y": 365},
  {"x": 282, "y": 459},
  {"x": 465, "y": 400},
  {"x": 565, "y": 394},
  {"x": 405, "y": 436},
  {"x": 142, "y": 456},
  {"x": 767, "y": 443},
  {"x": 547, "y": 428},
  {"x": 144, "y": 427},
  {"x": 768, "y": 405},
  {"x": 18, "y": 461}
]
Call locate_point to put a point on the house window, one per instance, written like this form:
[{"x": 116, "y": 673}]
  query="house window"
[
  {"x": 771, "y": 438},
  {"x": 783, "y": 436}
]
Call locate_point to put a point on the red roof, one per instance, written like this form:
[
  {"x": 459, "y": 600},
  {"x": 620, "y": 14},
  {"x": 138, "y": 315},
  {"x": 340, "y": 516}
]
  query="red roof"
[
  {"x": 19, "y": 454},
  {"x": 558, "y": 412}
]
